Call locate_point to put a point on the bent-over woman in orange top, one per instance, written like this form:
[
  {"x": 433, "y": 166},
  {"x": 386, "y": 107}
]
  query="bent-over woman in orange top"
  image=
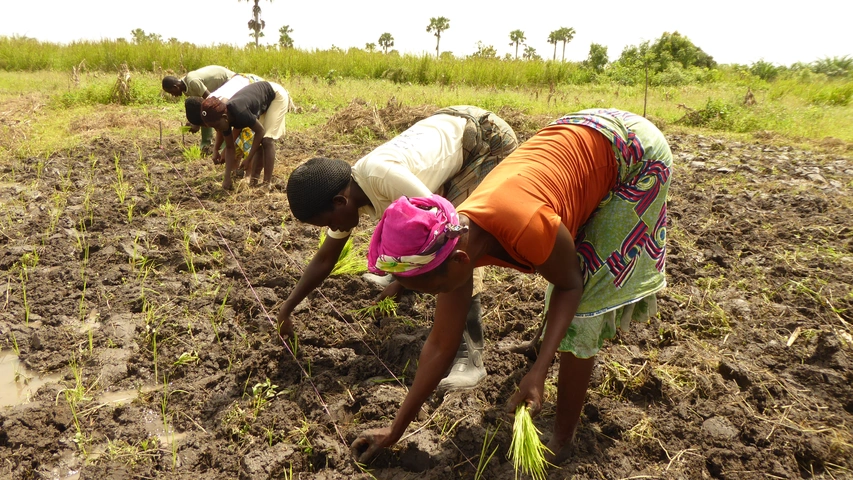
[{"x": 583, "y": 203}]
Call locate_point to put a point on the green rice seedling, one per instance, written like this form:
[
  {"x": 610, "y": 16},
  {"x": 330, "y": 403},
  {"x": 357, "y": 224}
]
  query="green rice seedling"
[
  {"x": 130, "y": 205},
  {"x": 164, "y": 411},
  {"x": 526, "y": 450},
  {"x": 186, "y": 358},
  {"x": 84, "y": 246},
  {"x": 192, "y": 153},
  {"x": 484, "y": 460},
  {"x": 15, "y": 347},
  {"x": 153, "y": 322},
  {"x": 387, "y": 307},
  {"x": 59, "y": 202},
  {"x": 189, "y": 256},
  {"x": 24, "y": 276},
  {"x": 294, "y": 344},
  {"x": 121, "y": 187},
  {"x": 216, "y": 319},
  {"x": 352, "y": 260},
  {"x": 300, "y": 435},
  {"x": 66, "y": 183}
]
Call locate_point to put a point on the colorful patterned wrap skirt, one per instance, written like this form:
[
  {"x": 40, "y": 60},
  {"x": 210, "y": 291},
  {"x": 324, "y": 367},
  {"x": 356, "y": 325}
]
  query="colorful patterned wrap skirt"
[{"x": 622, "y": 246}]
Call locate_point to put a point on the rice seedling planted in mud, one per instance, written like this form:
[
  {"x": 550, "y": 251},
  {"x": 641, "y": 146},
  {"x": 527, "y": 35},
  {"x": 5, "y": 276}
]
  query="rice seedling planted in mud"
[
  {"x": 387, "y": 307},
  {"x": 28, "y": 262},
  {"x": 526, "y": 450},
  {"x": 84, "y": 246},
  {"x": 484, "y": 460},
  {"x": 121, "y": 187}
]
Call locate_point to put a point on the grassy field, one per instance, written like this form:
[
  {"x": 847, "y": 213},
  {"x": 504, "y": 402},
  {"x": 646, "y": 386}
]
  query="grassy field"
[{"x": 62, "y": 103}]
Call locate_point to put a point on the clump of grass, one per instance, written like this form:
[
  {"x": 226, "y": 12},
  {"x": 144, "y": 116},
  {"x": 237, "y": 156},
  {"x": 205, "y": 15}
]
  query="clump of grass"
[
  {"x": 192, "y": 153},
  {"x": 526, "y": 451},
  {"x": 387, "y": 307},
  {"x": 352, "y": 260}
]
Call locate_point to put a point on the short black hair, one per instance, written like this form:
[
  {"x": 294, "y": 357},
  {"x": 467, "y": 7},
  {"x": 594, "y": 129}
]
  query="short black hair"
[
  {"x": 192, "y": 105},
  {"x": 314, "y": 184},
  {"x": 170, "y": 81}
]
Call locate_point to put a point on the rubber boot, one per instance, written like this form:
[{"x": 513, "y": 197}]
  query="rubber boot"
[{"x": 468, "y": 369}]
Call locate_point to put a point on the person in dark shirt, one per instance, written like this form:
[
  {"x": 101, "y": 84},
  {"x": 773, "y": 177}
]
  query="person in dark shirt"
[{"x": 261, "y": 107}]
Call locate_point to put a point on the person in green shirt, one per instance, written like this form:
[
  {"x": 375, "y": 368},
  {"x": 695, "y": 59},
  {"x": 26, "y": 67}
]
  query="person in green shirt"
[{"x": 198, "y": 83}]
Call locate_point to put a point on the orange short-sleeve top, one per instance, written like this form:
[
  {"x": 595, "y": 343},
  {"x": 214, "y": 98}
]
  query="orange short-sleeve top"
[{"x": 559, "y": 175}]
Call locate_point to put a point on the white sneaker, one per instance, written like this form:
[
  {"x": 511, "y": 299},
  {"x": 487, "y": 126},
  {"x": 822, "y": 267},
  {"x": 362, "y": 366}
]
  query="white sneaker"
[{"x": 380, "y": 280}]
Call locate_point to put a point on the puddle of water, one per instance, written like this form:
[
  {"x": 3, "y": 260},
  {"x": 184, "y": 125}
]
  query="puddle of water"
[
  {"x": 18, "y": 383},
  {"x": 121, "y": 397}
]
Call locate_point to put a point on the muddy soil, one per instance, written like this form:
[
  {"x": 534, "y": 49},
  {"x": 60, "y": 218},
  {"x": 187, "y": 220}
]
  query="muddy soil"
[{"x": 145, "y": 294}]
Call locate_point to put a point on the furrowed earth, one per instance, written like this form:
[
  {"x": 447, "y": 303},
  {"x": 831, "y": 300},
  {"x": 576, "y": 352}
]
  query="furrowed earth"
[{"x": 139, "y": 299}]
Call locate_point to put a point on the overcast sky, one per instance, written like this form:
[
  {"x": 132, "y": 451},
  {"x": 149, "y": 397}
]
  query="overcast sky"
[{"x": 731, "y": 31}]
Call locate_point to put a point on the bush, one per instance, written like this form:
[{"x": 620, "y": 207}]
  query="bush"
[{"x": 833, "y": 95}]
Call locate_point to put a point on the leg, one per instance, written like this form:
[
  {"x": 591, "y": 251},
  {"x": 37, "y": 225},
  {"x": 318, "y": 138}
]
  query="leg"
[
  {"x": 269, "y": 158},
  {"x": 572, "y": 383},
  {"x": 468, "y": 369},
  {"x": 230, "y": 164}
]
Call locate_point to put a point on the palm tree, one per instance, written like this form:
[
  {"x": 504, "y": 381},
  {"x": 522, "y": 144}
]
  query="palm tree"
[
  {"x": 385, "y": 41},
  {"x": 554, "y": 37},
  {"x": 256, "y": 25},
  {"x": 516, "y": 37},
  {"x": 370, "y": 47},
  {"x": 284, "y": 37},
  {"x": 438, "y": 25},
  {"x": 565, "y": 35},
  {"x": 529, "y": 53}
]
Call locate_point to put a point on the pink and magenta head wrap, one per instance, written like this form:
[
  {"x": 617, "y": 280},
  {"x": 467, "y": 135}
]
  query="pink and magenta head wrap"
[{"x": 414, "y": 236}]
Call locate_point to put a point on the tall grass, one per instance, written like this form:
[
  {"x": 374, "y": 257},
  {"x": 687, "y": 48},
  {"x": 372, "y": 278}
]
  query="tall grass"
[
  {"x": 800, "y": 102},
  {"x": 26, "y": 54}
]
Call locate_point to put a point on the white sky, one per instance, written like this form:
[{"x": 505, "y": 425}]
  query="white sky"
[{"x": 731, "y": 31}]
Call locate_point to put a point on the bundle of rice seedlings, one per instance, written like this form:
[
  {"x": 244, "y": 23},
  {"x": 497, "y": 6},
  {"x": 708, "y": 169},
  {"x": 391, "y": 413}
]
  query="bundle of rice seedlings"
[
  {"x": 352, "y": 260},
  {"x": 527, "y": 451}
]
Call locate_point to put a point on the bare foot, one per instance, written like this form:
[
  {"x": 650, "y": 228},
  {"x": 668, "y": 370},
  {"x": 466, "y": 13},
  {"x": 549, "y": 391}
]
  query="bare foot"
[{"x": 560, "y": 449}]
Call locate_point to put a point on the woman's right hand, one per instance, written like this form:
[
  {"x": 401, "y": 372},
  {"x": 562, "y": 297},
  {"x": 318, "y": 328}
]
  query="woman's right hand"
[
  {"x": 370, "y": 443},
  {"x": 217, "y": 158},
  {"x": 391, "y": 291},
  {"x": 283, "y": 323}
]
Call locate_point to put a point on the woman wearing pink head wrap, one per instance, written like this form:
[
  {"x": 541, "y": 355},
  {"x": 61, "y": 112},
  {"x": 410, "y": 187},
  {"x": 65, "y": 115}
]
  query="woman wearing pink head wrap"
[{"x": 583, "y": 204}]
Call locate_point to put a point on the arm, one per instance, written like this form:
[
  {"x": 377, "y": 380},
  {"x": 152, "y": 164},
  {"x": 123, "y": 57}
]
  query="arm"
[
  {"x": 229, "y": 164},
  {"x": 217, "y": 144},
  {"x": 563, "y": 270},
  {"x": 206, "y": 93},
  {"x": 436, "y": 356},
  {"x": 317, "y": 270}
]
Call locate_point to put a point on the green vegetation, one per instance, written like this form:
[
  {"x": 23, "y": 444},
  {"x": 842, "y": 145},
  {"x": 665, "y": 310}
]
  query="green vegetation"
[
  {"x": 526, "y": 451},
  {"x": 686, "y": 88},
  {"x": 352, "y": 260},
  {"x": 387, "y": 307}
]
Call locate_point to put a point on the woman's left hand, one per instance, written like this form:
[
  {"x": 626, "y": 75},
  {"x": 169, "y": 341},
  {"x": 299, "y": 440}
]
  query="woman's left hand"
[{"x": 531, "y": 391}]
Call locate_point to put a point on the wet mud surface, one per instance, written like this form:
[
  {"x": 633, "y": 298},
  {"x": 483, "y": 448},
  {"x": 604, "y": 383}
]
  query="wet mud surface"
[{"x": 144, "y": 292}]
